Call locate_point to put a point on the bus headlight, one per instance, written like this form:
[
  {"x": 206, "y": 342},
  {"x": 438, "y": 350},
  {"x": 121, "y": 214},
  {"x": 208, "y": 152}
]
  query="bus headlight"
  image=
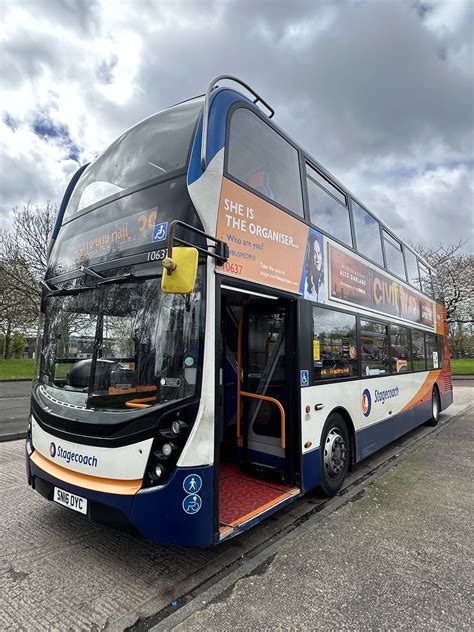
[
  {"x": 158, "y": 472},
  {"x": 176, "y": 427},
  {"x": 167, "y": 449}
]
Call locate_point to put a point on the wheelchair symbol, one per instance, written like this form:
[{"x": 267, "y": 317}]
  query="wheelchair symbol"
[
  {"x": 160, "y": 231},
  {"x": 192, "y": 504},
  {"x": 305, "y": 377}
]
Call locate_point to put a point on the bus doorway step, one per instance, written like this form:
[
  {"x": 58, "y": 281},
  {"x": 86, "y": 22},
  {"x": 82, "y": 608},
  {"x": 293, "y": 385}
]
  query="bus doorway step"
[{"x": 243, "y": 497}]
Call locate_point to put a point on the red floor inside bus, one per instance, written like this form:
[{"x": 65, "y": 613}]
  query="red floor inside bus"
[{"x": 242, "y": 497}]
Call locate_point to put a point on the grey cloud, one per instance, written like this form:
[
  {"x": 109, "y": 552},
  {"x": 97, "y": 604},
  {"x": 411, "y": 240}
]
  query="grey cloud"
[
  {"x": 367, "y": 88},
  {"x": 77, "y": 15},
  {"x": 105, "y": 70},
  {"x": 26, "y": 56}
]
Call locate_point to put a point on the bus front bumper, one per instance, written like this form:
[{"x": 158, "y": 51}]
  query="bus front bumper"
[{"x": 165, "y": 514}]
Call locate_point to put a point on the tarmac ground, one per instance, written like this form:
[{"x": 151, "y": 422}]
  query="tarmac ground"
[
  {"x": 392, "y": 551},
  {"x": 14, "y": 409},
  {"x": 399, "y": 556}
]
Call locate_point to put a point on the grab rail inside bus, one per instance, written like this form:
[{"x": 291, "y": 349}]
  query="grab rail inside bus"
[
  {"x": 241, "y": 393},
  {"x": 139, "y": 403},
  {"x": 272, "y": 400},
  {"x": 205, "y": 116}
]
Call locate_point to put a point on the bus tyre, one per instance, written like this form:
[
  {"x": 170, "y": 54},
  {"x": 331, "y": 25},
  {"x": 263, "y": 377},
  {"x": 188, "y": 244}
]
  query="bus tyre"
[
  {"x": 435, "y": 408},
  {"x": 335, "y": 454}
]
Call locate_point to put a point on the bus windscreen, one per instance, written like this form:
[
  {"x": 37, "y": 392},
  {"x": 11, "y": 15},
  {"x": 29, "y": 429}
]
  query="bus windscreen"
[{"x": 156, "y": 146}]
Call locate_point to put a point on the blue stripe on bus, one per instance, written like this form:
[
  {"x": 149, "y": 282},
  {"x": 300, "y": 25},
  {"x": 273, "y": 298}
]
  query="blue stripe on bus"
[
  {"x": 369, "y": 440},
  {"x": 311, "y": 469},
  {"x": 446, "y": 399},
  {"x": 220, "y": 103}
]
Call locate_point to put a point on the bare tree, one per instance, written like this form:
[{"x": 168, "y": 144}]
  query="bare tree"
[
  {"x": 23, "y": 259},
  {"x": 454, "y": 284},
  {"x": 24, "y": 247},
  {"x": 17, "y": 312}
]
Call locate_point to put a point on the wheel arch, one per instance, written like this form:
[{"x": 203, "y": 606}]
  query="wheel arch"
[
  {"x": 350, "y": 427},
  {"x": 438, "y": 394}
]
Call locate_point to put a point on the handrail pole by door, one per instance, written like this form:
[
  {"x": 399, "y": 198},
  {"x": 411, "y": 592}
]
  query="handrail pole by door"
[{"x": 239, "y": 372}]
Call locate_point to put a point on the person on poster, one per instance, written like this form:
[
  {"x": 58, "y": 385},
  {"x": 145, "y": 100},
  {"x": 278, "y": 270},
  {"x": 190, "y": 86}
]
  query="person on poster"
[{"x": 313, "y": 286}]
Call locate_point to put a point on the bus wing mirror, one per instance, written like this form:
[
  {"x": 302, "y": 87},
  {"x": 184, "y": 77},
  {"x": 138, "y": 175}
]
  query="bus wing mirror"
[{"x": 179, "y": 272}]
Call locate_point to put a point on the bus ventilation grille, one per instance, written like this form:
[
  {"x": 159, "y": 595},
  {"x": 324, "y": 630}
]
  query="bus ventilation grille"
[{"x": 448, "y": 383}]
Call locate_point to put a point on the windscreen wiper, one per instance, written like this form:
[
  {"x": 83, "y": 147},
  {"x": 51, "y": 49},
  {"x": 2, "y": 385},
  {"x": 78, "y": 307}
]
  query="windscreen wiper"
[
  {"x": 91, "y": 272},
  {"x": 69, "y": 292},
  {"x": 130, "y": 276},
  {"x": 52, "y": 290}
]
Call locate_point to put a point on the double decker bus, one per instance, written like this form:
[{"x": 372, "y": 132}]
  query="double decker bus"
[{"x": 224, "y": 327}]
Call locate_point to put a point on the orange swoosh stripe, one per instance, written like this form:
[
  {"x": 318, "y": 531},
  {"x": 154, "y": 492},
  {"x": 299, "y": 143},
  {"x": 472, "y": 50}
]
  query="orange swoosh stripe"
[
  {"x": 292, "y": 492},
  {"x": 97, "y": 484},
  {"x": 423, "y": 391}
]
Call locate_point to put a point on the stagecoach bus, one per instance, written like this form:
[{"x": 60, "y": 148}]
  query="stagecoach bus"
[{"x": 224, "y": 327}]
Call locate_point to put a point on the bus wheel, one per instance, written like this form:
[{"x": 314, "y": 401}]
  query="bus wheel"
[
  {"x": 433, "y": 421},
  {"x": 335, "y": 454}
]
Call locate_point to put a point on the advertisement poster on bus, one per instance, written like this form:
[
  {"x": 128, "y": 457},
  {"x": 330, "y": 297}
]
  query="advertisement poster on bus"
[
  {"x": 313, "y": 283},
  {"x": 358, "y": 283},
  {"x": 266, "y": 244}
]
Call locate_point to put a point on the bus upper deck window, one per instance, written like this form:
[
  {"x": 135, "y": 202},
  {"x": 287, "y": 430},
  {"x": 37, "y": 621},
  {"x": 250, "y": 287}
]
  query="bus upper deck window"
[
  {"x": 328, "y": 207},
  {"x": 425, "y": 279},
  {"x": 264, "y": 161},
  {"x": 394, "y": 256},
  {"x": 367, "y": 233},
  {"x": 412, "y": 269}
]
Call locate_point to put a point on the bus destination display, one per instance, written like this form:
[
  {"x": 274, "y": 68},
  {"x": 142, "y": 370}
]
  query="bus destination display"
[{"x": 109, "y": 240}]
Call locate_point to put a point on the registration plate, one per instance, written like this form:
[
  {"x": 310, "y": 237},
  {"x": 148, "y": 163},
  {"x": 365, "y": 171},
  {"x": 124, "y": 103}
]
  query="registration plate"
[{"x": 70, "y": 500}]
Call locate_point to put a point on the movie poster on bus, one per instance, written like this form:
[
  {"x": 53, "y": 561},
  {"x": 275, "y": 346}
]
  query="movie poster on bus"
[
  {"x": 358, "y": 283},
  {"x": 266, "y": 244}
]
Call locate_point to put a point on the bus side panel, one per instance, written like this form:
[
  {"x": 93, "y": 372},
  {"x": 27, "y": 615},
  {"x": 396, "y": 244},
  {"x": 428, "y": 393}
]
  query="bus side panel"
[
  {"x": 331, "y": 396},
  {"x": 381, "y": 410},
  {"x": 311, "y": 468}
]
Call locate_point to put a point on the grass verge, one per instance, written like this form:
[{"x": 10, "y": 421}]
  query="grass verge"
[
  {"x": 17, "y": 369},
  {"x": 462, "y": 366}
]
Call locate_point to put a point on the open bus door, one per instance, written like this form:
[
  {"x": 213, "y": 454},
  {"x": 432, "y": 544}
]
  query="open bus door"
[{"x": 259, "y": 426}]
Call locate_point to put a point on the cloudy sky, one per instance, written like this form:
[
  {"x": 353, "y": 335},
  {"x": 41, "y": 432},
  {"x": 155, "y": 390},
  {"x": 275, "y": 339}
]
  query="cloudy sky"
[{"x": 380, "y": 92}]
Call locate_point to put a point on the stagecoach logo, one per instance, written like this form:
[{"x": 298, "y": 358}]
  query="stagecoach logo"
[
  {"x": 366, "y": 402},
  {"x": 70, "y": 456},
  {"x": 380, "y": 397}
]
